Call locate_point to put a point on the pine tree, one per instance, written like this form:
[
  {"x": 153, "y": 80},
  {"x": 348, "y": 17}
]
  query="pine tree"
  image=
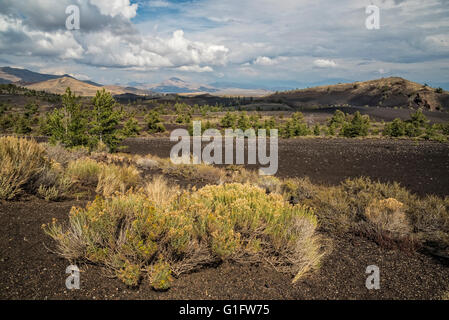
[
  {"x": 131, "y": 128},
  {"x": 22, "y": 125},
  {"x": 154, "y": 123},
  {"x": 68, "y": 124},
  {"x": 105, "y": 121}
]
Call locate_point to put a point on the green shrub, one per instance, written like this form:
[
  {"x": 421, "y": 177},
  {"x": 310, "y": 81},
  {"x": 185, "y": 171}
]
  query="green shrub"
[
  {"x": 228, "y": 121},
  {"x": 22, "y": 125},
  {"x": 131, "y": 128},
  {"x": 395, "y": 128},
  {"x": 338, "y": 119},
  {"x": 295, "y": 127},
  {"x": 412, "y": 130},
  {"x": 154, "y": 122},
  {"x": 358, "y": 127},
  {"x": 445, "y": 128},
  {"x": 419, "y": 119}
]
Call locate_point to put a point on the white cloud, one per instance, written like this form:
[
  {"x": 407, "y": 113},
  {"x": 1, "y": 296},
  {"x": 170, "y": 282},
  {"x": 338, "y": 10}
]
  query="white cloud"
[
  {"x": 159, "y": 4},
  {"x": 61, "y": 44},
  {"x": 116, "y": 7},
  {"x": 109, "y": 47},
  {"x": 264, "y": 61},
  {"x": 324, "y": 63},
  {"x": 299, "y": 40},
  {"x": 195, "y": 69}
]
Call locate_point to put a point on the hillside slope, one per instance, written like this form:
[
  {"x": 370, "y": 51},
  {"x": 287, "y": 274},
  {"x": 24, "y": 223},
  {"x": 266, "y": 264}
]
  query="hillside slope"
[
  {"x": 59, "y": 86},
  {"x": 385, "y": 92},
  {"x": 80, "y": 88}
]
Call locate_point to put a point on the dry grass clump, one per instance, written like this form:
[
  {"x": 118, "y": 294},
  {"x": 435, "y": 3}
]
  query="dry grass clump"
[
  {"x": 113, "y": 158},
  {"x": 445, "y": 296},
  {"x": 114, "y": 178},
  {"x": 22, "y": 163},
  {"x": 108, "y": 178},
  {"x": 388, "y": 215},
  {"x": 146, "y": 234},
  {"x": 238, "y": 174},
  {"x": 26, "y": 167},
  {"x": 62, "y": 155},
  {"x": 386, "y": 222},
  {"x": 188, "y": 170},
  {"x": 161, "y": 192},
  {"x": 84, "y": 171},
  {"x": 146, "y": 163},
  {"x": 430, "y": 219},
  {"x": 53, "y": 184}
]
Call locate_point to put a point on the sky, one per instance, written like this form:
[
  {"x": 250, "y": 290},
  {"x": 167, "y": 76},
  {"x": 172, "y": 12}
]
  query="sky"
[{"x": 259, "y": 43}]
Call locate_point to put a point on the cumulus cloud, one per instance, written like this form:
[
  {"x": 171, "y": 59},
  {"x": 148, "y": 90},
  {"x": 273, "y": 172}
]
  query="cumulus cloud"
[
  {"x": 324, "y": 63},
  {"x": 116, "y": 7},
  {"x": 109, "y": 40},
  {"x": 299, "y": 40}
]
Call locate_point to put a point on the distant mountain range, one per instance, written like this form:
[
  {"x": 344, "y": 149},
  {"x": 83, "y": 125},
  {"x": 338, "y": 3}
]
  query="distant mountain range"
[
  {"x": 179, "y": 86},
  {"x": 176, "y": 85},
  {"x": 55, "y": 84},
  {"x": 384, "y": 92}
]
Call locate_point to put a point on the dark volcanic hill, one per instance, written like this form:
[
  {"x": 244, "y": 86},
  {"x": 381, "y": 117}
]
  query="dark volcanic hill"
[{"x": 385, "y": 92}]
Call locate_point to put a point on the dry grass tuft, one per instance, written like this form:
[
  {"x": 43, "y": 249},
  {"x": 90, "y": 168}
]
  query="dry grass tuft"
[
  {"x": 84, "y": 171},
  {"x": 160, "y": 192},
  {"x": 114, "y": 178},
  {"x": 63, "y": 155},
  {"x": 388, "y": 215},
  {"x": 22, "y": 163}
]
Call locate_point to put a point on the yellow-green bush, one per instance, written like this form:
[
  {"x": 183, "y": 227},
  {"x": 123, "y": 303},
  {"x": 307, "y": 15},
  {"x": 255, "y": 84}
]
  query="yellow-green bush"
[
  {"x": 131, "y": 232},
  {"x": 22, "y": 163}
]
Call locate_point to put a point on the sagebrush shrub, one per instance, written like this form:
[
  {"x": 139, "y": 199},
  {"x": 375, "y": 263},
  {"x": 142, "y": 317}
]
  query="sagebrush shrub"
[{"x": 132, "y": 233}]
